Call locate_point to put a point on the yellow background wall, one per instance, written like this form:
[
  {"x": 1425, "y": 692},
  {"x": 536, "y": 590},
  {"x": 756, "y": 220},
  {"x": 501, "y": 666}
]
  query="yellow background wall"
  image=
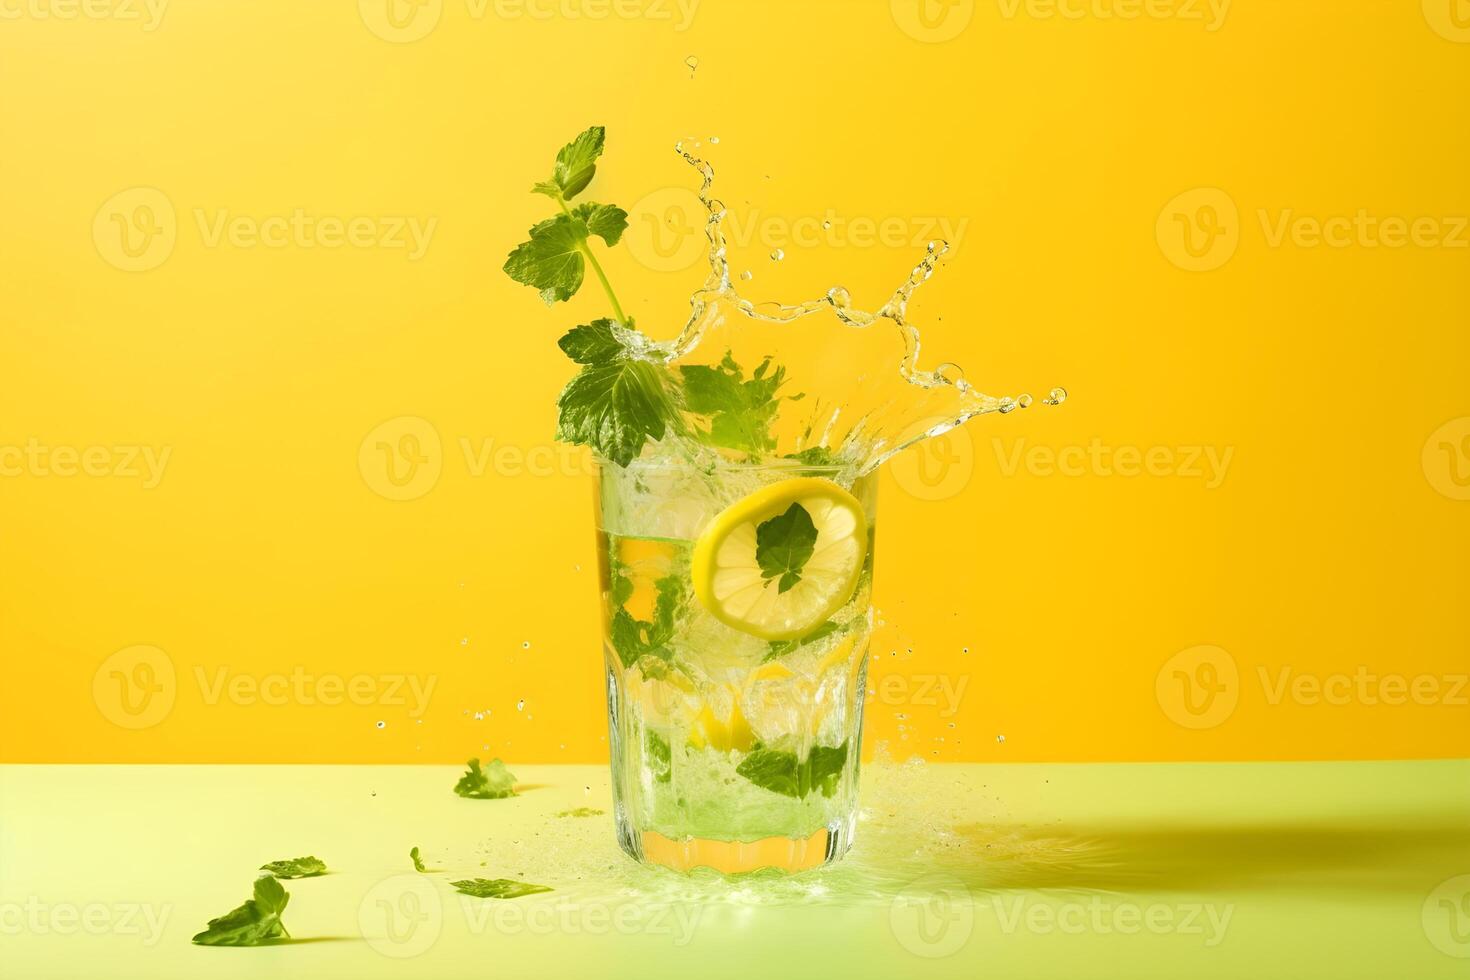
[{"x": 1262, "y": 478}]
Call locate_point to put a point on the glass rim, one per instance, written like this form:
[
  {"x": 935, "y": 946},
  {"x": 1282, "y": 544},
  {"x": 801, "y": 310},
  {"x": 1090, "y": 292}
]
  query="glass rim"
[{"x": 779, "y": 463}]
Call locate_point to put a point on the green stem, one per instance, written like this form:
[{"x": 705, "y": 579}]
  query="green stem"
[{"x": 597, "y": 268}]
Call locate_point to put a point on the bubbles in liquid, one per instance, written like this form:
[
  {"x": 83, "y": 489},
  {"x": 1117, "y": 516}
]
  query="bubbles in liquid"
[{"x": 778, "y": 255}]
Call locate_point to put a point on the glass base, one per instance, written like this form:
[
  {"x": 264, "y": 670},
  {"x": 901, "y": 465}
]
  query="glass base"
[{"x": 736, "y": 857}]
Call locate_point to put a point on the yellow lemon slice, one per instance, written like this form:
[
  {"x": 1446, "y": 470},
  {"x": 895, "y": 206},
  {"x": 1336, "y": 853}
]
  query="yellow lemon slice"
[{"x": 779, "y": 562}]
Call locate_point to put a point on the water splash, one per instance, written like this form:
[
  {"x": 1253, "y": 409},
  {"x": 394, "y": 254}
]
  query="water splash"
[{"x": 935, "y": 401}]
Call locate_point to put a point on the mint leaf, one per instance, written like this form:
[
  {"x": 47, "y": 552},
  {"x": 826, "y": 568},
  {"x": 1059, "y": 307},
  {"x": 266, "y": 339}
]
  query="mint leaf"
[
  {"x": 552, "y": 260},
  {"x": 618, "y": 402},
  {"x": 575, "y": 164},
  {"x": 494, "y": 782},
  {"x": 497, "y": 888},
  {"x": 302, "y": 867},
  {"x": 606, "y": 221},
  {"x": 418, "y": 861},
  {"x": 635, "y": 638},
  {"x": 784, "y": 544},
  {"x": 780, "y": 648},
  {"x": 658, "y": 756},
  {"x": 591, "y": 343},
  {"x": 256, "y": 923},
  {"x": 779, "y": 771},
  {"x": 815, "y": 456},
  {"x": 740, "y": 412}
]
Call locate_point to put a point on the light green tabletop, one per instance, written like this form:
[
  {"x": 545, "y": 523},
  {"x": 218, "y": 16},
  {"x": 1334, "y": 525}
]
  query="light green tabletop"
[{"x": 1224, "y": 870}]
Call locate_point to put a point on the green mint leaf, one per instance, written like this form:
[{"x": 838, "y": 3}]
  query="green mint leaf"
[
  {"x": 784, "y": 544},
  {"x": 780, "y": 648},
  {"x": 771, "y": 769},
  {"x": 302, "y": 867},
  {"x": 740, "y": 412},
  {"x": 591, "y": 343},
  {"x": 551, "y": 260},
  {"x": 494, "y": 782},
  {"x": 417, "y": 859},
  {"x": 816, "y": 456},
  {"x": 779, "y": 771},
  {"x": 575, "y": 164},
  {"x": 497, "y": 888},
  {"x": 615, "y": 405},
  {"x": 658, "y": 756},
  {"x": 606, "y": 221},
  {"x": 256, "y": 923},
  {"x": 634, "y": 639}
]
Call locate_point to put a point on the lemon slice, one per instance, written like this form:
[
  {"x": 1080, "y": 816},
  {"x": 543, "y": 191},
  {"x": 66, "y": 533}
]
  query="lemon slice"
[{"x": 731, "y": 583}]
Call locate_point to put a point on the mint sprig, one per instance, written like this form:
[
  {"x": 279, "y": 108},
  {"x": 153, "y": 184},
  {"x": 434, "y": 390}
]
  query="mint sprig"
[
  {"x": 740, "y": 412},
  {"x": 618, "y": 402},
  {"x": 493, "y": 782},
  {"x": 302, "y": 867},
  {"x": 255, "y": 923}
]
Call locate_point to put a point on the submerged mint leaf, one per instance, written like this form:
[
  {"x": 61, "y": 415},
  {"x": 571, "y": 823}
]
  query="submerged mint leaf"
[
  {"x": 494, "y": 782},
  {"x": 780, "y": 648},
  {"x": 617, "y": 403},
  {"x": 418, "y": 862},
  {"x": 497, "y": 888},
  {"x": 575, "y": 164},
  {"x": 771, "y": 769},
  {"x": 552, "y": 259},
  {"x": 740, "y": 412},
  {"x": 302, "y": 867},
  {"x": 256, "y": 923},
  {"x": 779, "y": 771},
  {"x": 636, "y": 638},
  {"x": 784, "y": 544}
]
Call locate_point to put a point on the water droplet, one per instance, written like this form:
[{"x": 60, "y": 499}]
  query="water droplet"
[
  {"x": 1007, "y": 405},
  {"x": 839, "y": 297},
  {"x": 464, "y": 641},
  {"x": 1056, "y": 397},
  {"x": 747, "y": 275},
  {"x": 382, "y": 724},
  {"x": 521, "y": 705},
  {"x": 964, "y": 649},
  {"x": 778, "y": 255},
  {"x": 1024, "y": 401},
  {"x": 1000, "y": 738},
  {"x": 693, "y": 63},
  {"x": 826, "y": 226},
  {"x": 714, "y": 139},
  {"x": 950, "y": 373},
  {"x": 525, "y": 644}
]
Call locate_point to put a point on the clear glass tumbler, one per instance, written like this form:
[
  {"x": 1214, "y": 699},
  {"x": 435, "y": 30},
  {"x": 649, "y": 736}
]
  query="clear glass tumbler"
[{"x": 729, "y": 751}]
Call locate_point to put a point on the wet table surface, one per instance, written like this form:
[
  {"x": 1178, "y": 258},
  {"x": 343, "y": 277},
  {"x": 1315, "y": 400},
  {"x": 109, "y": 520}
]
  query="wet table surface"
[{"x": 1214, "y": 870}]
